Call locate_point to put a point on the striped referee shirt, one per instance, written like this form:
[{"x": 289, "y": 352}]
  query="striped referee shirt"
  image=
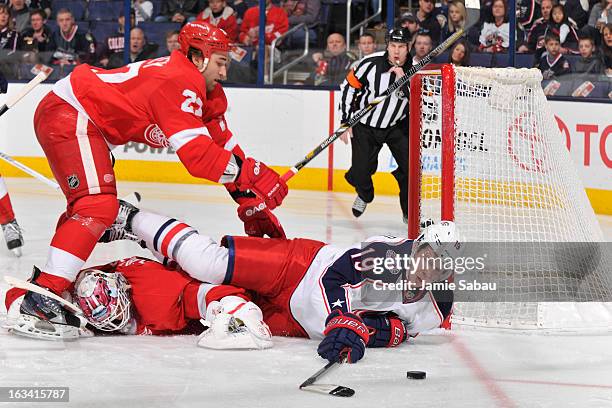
[{"x": 369, "y": 78}]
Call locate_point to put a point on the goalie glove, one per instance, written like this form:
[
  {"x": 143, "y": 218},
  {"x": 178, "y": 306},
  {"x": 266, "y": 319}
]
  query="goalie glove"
[{"x": 234, "y": 323}]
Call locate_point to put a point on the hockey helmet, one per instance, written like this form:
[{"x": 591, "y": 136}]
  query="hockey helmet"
[
  {"x": 398, "y": 34},
  {"x": 104, "y": 299},
  {"x": 204, "y": 37},
  {"x": 437, "y": 244}
]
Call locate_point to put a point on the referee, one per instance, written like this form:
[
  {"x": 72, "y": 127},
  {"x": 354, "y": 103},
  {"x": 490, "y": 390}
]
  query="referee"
[{"x": 386, "y": 123}]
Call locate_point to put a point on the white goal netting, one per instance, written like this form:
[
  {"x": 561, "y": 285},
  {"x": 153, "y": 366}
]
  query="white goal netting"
[{"x": 515, "y": 185}]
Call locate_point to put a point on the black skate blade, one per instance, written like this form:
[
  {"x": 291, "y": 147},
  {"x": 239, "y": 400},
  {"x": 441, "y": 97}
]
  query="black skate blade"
[{"x": 330, "y": 389}]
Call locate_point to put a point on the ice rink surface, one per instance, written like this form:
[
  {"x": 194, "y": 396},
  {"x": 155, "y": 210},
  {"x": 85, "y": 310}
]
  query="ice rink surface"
[{"x": 464, "y": 368}]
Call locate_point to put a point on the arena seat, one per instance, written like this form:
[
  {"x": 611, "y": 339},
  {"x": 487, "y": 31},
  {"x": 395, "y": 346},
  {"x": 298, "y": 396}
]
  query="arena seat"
[{"x": 103, "y": 10}]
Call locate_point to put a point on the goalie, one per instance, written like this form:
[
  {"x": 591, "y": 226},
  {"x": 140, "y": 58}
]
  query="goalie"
[{"x": 304, "y": 288}]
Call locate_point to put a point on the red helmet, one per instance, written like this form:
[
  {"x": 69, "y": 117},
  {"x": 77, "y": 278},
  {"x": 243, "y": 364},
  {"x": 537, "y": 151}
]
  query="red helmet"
[{"x": 204, "y": 37}]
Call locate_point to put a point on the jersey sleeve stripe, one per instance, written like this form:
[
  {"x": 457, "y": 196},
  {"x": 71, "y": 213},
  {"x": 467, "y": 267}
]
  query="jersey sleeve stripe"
[
  {"x": 231, "y": 258},
  {"x": 352, "y": 80},
  {"x": 180, "y": 139}
]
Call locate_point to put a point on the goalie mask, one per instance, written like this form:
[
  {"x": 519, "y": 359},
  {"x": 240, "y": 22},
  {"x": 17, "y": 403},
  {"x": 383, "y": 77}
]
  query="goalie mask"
[
  {"x": 104, "y": 299},
  {"x": 434, "y": 252}
]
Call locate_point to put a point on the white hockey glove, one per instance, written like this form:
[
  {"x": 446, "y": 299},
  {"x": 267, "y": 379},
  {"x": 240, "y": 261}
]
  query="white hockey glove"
[{"x": 234, "y": 323}]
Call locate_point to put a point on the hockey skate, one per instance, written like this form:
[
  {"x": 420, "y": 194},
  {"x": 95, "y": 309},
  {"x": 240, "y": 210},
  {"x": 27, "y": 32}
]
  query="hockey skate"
[
  {"x": 359, "y": 207},
  {"x": 13, "y": 237},
  {"x": 122, "y": 227},
  {"x": 42, "y": 317}
]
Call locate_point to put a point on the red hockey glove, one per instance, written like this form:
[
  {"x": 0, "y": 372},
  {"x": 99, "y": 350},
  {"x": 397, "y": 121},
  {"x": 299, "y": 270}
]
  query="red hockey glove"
[
  {"x": 259, "y": 220},
  {"x": 263, "y": 181},
  {"x": 386, "y": 330}
]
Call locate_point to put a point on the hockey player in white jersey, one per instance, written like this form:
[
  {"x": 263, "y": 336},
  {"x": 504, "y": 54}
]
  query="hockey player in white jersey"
[
  {"x": 301, "y": 287},
  {"x": 306, "y": 288}
]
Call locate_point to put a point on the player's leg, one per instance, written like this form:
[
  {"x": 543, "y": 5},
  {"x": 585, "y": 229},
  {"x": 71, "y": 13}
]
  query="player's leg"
[
  {"x": 80, "y": 161},
  {"x": 12, "y": 232},
  {"x": 397, "y": 140},
  {"x": 364, "y": 161},
  {"x": 170, "y": 239}
]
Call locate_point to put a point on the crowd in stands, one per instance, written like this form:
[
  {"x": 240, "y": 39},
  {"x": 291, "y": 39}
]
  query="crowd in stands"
[{"x": 565, "y": 39}]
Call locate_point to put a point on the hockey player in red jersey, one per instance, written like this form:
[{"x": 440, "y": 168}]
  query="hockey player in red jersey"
[
  {"x": 157, "y": 102},
  {"x": 11, "y": 230}
]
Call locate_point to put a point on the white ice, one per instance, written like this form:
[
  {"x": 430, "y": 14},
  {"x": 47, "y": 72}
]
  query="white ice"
[{"x": 464, "y": 368}]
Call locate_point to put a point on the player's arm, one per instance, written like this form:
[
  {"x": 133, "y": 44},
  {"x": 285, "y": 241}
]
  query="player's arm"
[{"x": 179, "y": 115}]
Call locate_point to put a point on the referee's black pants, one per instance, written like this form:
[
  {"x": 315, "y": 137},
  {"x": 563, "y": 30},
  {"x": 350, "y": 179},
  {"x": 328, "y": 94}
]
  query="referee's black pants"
[{"x": 365, "y": 145}]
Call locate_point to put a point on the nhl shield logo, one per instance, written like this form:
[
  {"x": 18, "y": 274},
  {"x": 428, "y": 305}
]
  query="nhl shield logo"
[{"x": 73, "y": 181}]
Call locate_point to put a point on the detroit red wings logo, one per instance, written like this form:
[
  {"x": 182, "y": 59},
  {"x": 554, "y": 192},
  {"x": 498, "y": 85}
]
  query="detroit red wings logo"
[{"x": 155, "y": 137}]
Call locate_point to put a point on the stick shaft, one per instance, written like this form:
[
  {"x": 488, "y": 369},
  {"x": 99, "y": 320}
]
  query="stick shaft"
[
  {"x": 319, "y": 373},
  {"x": 29, "y": 171},
  {"x": 357, "y": 116},
  {"x": 13, "y": 99}
]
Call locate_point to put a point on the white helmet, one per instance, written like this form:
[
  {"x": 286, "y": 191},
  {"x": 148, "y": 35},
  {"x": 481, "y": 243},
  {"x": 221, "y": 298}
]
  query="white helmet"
[
  {"x": 442, "y": 238},
  {"x": 104, "y": 299}
]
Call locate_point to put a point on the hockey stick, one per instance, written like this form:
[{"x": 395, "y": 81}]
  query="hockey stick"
[
  {"x": 21, "y": 284},
  {"x": 29, "y": 171},
  {"x": 330, "y": 389},
  {"x": 76, "y": 319},
  {"x": 473, "y": 13},
  {"x": 43, "y": 73}
]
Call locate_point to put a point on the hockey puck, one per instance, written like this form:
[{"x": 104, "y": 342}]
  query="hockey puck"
[{"x": 416, "y": 375}]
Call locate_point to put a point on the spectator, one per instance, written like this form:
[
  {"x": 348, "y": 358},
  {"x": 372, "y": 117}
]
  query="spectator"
[
  {"x": 601, "y": 14},
  {"x": 10, "y": 39},
  {"x": 495, "y": 33},
  {"x": 70, "y": 45},
  {"x": 607, "y": 48},
  {"x": 553, "y": 64},
  {"x": 302, "y": 11},
  {"x": 219, "y": 14},
  {"x": 143, "y": 10},
  {"x": 367, "y": 44},
  {"x": 240, "y": 7},
  {"x": 277, "y": 24},
  {"x": 140, "y": 50},
  {"x": 560, "y": 25},
  {"x": 38, "y": 36},
  {"x": 588, "y": 62},
  {"x": 426, "y": 17},
  {"x": 460, "y": 54},
  {"x": 20, "y": 15},
  {"x": 409, "y": 21},
  {"x": 44, "y": 5},
  {"x": 576, "y": 12},
  {"x": 331, "y": 66},
  {"x": 456, "y": 19},
  {"x": 114, "y": 43},
  {"x": 423, "y": 45},
  {"x": 178, "y": 11},
  {"x": 535, "y": 37},
  {"x": 171, "y": 44},
  {"x": 526, "y": 13}
]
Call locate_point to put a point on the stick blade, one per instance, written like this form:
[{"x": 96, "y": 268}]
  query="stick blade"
[{"x": 329, "y": 389}]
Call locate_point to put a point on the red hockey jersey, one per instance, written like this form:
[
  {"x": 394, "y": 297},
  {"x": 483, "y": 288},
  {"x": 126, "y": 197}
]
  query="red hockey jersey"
[{"x": 134, "y": 102}]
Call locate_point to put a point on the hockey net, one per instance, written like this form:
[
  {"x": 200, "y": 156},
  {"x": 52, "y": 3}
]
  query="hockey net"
[{"x": 486, "y": 152}]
